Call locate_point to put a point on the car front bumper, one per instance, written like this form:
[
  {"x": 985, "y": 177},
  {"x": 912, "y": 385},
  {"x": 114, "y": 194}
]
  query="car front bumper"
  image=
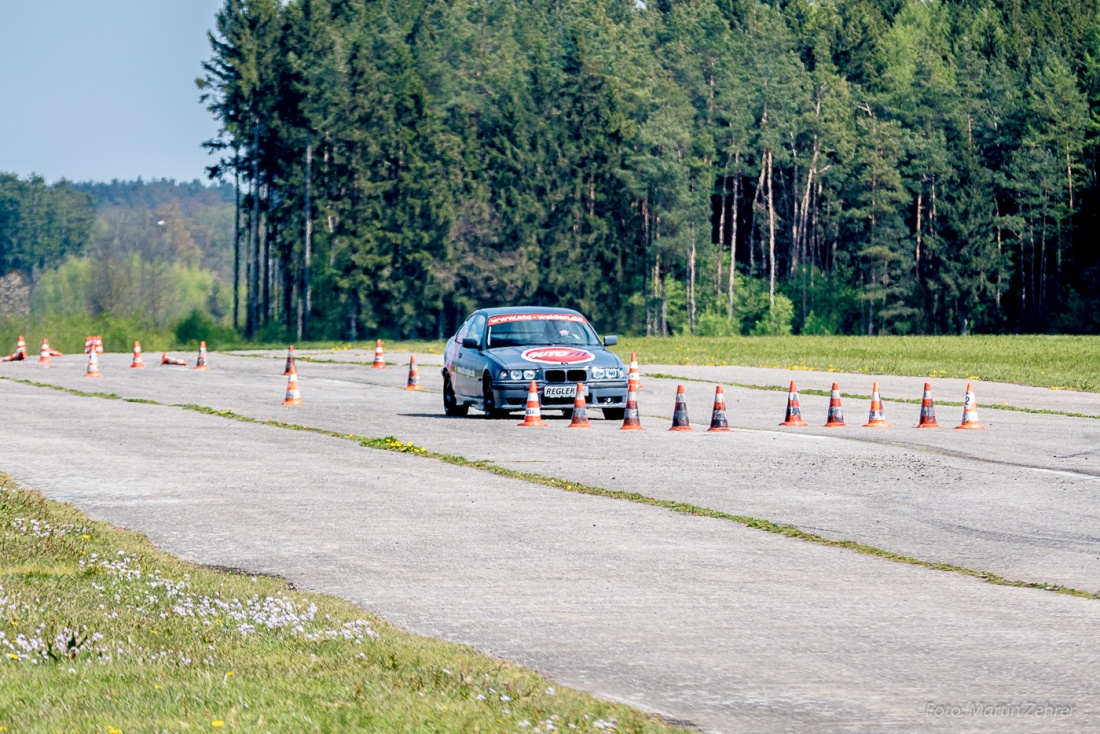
[{"x": 609, "y": 394}]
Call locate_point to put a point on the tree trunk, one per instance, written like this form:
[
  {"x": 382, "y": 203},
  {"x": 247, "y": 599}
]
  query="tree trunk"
[
  {"x": 306, "y": 287},
  {"x": 734, "y": 209},
  {"x": 691, "y": 283},
  {"x": 771, "y": 234},
  {"x": 252, "y": 297},
  {"x": 236, "y": 242}
]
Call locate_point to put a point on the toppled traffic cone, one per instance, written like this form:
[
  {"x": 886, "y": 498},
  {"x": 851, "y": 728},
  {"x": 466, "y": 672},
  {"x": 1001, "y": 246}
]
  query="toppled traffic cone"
[
  {"x": 794, "y": 410},
  {"x": 93, "y": 365},
  {"x": 289, "y": 360},
  {"x": 165, "y": 359},
  {"x": 876, "y": 419},
  {"x": 718, "y": 422},
  {"x": 532, "y": 416},
  {"x": 20, "y": 349},
  {"x": 200, "y": 363},
  {"x": 580, "y": 410},
  {"x": 927, "y": 409},
  {"x": 44, "y": 354},
  {"x": 7, "y": 358},
  {"x": 632, "y": 420},
  {"x": 379, "y": 356},
  {"x": 633, "y": 373},
  {"x": 137, "y": 363},
  {"x": 414, "y": 375},
  {"x": 970, "y": 412},
  {"x": 293, "y": 397},
  {"x": 680, "y": 420},
  {"x": 836, "y": 415},
  {"x": 55, "y": 353}
]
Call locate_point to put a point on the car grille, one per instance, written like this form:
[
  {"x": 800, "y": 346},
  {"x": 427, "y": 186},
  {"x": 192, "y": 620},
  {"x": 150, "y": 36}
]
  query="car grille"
[{"x": 566, "y": 375}]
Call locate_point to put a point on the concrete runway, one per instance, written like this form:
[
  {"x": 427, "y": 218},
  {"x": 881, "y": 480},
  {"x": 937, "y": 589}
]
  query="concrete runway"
[{"x": 701, "y": 620}]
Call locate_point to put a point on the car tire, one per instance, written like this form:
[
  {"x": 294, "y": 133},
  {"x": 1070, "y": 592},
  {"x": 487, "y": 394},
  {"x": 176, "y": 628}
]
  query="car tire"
[
  {"x": 489, "y": 404},
  {"x": 613, "y": 414},
  {"x": 450, "y": 402}
]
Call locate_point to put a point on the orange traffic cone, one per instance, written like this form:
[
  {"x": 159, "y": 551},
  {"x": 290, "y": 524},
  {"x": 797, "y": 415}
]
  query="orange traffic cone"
[
  {"x": 718, "y": 422},
  {"x": 927, "y": 409},
  {"x": 680, "y": 420},
  {"x": 289, "y": 360},
  {"x": 876, "y": 419},
  {"x": 138, "y": 363},
  {"x": 88, "y": 341},
  {"x": 414, "y": 375},
  {"x": 836, "y": 415},
  {"x": 20, "y": 349},
  {"x": 580, "y": 410},
  {"x": 633, "y": 373},
  {"x": 293, "y": 397},
  {"x": 44, "y": 354},
  {"x": 99, "y": 345},
  {"x": 7, "y": 358},
  {"x": 794, "y": 410},
  {"x": 200, "y": 363},
  {"x": 165, "y": 359},
  {"x": 379, "y": 356},
  {"x": 632, "y": 420},
  {"x": 532, "y": 417},
  {"x": 93, "y": 365},
  {"x": 970, "y": 412}
]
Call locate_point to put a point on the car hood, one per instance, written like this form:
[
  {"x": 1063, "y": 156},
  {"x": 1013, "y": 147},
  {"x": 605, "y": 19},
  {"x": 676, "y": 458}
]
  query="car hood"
[{"x": 553, "y": 356}]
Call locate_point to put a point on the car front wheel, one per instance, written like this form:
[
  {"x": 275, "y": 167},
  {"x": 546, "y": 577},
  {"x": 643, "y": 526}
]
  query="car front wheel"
[
  {"x": 489, "y": 404},
  {"x": 450, "y": 402}
]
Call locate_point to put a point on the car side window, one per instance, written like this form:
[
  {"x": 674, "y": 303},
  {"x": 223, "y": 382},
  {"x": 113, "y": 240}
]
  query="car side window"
[{"x": 476, "y": 327}]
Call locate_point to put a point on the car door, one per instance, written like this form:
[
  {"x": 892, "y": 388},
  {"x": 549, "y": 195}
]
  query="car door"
[{"x": 470, "y": 363}]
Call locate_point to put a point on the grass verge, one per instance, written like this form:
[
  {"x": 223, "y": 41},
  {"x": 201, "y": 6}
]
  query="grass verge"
[
  {"x": 390, "y": 443},
  {"x": 1058, "y": 362},
  {"x": 100, "y": 631}
]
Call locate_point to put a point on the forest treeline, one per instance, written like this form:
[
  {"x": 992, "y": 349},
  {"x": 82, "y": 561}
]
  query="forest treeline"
[{"x": 722, "y": 166}]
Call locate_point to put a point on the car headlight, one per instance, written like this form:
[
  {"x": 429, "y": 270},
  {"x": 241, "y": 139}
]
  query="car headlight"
[
  {"x": 530, "y": 374},
  {"x": 516, "y": 374},
  {"x": 597, "y": 373}
]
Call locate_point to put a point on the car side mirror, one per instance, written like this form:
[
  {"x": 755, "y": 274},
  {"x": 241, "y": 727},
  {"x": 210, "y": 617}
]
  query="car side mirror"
[
  {"x": 610, "y": 340},
  {"x": 471, "y": 342}
]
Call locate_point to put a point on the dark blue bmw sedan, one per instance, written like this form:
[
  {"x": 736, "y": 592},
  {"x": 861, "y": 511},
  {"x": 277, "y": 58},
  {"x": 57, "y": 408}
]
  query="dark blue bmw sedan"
[{"x": 497, "y": 352}]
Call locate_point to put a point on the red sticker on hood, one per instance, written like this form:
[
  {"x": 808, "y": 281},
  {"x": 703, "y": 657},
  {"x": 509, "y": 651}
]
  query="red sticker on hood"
[{"x": 558, "y": 355}]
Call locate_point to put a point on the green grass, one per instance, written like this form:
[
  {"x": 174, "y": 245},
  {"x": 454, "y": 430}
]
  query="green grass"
[
  {"x": 119, "y": 637},
  {"x": 1060, "y": 362}
]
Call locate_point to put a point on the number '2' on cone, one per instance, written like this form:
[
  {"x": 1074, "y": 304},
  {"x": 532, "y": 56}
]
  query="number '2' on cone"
[
  {"x": 876, "y": 419},
  {"x": 680, "y": 412},
  {"x": 794, "y": 410},
  {"x": 532, "y": 415},
  {"x": 580, "y": 410},
  {"x": 970, "y": 412},
  {"x": 836, "y": 413}
]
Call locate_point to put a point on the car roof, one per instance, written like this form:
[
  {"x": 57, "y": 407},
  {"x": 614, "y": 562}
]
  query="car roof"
[{"x": 496, "y": 311}]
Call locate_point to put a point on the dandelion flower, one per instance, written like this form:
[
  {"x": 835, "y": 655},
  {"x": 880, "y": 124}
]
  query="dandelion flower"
[{"x": 217, "y": 723}]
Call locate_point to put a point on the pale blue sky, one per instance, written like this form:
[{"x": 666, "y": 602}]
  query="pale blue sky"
[{"x": 102, "y": 89}]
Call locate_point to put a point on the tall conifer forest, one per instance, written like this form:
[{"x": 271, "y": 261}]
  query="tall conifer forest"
[{"x": 679, "y": 166}]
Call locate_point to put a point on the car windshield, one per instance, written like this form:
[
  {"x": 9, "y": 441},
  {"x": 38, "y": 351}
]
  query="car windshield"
[{"x": 540, "y": 329}]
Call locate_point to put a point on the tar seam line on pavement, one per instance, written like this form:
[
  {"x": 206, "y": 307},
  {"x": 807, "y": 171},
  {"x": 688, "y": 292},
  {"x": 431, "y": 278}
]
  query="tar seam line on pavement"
[{"x": 390, "y": 443}]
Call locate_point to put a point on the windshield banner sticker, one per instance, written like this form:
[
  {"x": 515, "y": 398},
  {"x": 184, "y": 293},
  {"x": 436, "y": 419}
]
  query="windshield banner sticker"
[
  {"x": 513, "y": 317},
  {"x": 558, "y": 355}
]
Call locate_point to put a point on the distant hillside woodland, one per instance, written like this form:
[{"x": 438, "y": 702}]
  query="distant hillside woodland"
[{"x": 128, "y": 259}]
